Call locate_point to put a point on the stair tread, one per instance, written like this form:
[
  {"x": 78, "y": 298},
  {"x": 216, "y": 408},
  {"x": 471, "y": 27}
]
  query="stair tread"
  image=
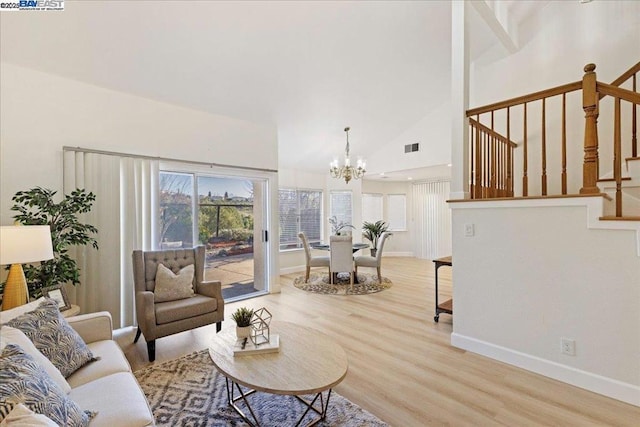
[{"x": 619, "y": 218}]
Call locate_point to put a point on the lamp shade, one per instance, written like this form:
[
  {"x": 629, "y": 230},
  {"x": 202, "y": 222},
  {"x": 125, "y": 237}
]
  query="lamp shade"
[{"x": 20, "y": 244}]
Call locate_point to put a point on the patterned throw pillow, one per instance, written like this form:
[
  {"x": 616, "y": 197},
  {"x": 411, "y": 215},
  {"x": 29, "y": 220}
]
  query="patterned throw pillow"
[
  {"x": 171, "y": 287},
  {"x": 16, "y": 336},
  {"x": 53, "y": 337},
  {"x": 22, "y": 380},
  {"x": 21, "y": 416}
]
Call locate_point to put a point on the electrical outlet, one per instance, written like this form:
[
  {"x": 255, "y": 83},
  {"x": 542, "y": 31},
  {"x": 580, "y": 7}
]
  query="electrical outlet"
[
  {"x": 469, "y": 230},
  {"x": 568, "y": 346}
]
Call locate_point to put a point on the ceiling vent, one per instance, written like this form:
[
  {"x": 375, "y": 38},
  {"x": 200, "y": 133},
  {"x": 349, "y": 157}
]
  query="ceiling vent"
[{"x": 410, "y": 148}]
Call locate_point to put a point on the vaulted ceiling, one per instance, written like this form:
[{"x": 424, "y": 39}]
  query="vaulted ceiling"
[{"x": 309, "y": 68}]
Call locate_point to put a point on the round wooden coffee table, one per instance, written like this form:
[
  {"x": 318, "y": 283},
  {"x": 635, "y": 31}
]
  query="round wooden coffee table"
[{"x": 309, "y": 362}]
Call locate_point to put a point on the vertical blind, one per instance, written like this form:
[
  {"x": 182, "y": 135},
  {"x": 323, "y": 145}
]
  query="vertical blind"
[{"x": 432, "y": 218}]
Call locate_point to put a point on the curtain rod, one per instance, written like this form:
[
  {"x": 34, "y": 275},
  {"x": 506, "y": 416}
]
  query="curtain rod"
[{"x": 166, "y": 159}]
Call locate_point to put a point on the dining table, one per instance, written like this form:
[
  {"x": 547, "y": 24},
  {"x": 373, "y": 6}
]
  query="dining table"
[{"x": 325, "y": 247}]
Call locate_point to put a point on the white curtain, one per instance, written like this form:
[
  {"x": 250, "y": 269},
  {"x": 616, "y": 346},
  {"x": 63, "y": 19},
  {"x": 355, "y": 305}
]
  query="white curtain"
[
  {"x": 124, "y": 213},
  {"x": 433, "y": 219}
]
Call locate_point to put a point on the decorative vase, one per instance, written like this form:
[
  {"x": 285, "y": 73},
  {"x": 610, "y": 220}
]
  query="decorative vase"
[
  {"x": 373, "y": 252},
  {"x": 243, "y": 331}
]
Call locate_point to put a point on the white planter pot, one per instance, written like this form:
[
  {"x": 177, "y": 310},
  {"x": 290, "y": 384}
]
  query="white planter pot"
[{"x": 243, "y": 332}]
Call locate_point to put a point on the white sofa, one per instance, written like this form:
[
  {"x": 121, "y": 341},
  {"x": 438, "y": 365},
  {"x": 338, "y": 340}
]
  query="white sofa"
[{"x": 107, "y": 385}]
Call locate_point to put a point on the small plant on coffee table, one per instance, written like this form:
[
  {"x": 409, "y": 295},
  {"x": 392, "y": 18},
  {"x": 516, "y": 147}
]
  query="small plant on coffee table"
[{"x": 242, "y": 316}]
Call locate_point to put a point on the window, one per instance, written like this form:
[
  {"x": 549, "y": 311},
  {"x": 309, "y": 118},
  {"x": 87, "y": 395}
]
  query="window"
[
  {"x": 176, "y": 210},
  {"x": 397, "y": 212},
  {"x": 300, "y": 211},
  {"x": 340, "y": 207},
  {"x": 371, "y": 207}
]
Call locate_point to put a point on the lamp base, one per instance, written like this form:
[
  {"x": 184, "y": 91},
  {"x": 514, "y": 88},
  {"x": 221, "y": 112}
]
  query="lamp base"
[{"x": 15, "y": 289}]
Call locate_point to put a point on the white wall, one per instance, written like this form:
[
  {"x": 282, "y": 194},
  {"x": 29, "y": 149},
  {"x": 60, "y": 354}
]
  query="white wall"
[
  {"x": 41, "y": 113},
  {"x": 433, "y": 132},
  {"x": 534, "y": 273}
]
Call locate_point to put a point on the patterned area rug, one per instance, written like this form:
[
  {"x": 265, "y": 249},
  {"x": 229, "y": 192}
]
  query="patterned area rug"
[
  {"x": 189, "y": 391},
  {"x": 319, "y": 284}
]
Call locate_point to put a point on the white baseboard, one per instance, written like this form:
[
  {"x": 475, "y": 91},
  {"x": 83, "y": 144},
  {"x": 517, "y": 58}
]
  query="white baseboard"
[
  {"x": 403, "y": 254},
  {"x": 609, "y": 387},
  {"x": 294, "y": 269}
]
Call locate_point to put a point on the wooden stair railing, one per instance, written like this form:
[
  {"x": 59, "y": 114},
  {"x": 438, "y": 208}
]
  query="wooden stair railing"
[
  {"x": 492, "y": 154},
  {"x": 630, "y": 74},
  {"x": 477, "y": 161},
  {"x": 492, "y": 169},
  {"x": 619, "y": 95}
]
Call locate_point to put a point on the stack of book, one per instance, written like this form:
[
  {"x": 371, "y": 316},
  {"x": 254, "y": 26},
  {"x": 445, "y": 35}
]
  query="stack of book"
[{"x": 244, "y": 346}]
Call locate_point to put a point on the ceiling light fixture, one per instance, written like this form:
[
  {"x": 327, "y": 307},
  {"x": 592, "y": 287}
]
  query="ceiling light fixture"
[{"x": 347, "y": 171}]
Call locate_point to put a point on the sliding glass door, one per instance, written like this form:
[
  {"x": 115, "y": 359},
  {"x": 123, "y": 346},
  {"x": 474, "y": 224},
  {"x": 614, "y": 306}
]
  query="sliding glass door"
[{"x": 226, "y": 214}]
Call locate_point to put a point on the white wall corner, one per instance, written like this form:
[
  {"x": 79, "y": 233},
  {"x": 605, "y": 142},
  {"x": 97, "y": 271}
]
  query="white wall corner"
[
  {"x": 499, "y": 23},
  {"x": 609, "y": 387}
]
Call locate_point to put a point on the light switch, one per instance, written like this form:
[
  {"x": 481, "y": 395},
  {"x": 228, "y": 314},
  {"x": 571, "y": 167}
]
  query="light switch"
[{"x": 469, "y": 230}]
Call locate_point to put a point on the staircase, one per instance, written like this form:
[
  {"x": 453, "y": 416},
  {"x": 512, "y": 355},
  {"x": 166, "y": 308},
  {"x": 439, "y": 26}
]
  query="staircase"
[
  {"x": 630, "y": 192},
  {"x": 516, "y": 145}
]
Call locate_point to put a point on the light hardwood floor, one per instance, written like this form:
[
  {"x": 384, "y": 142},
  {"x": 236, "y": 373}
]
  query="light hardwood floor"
[{"x": 402, "y": 367}]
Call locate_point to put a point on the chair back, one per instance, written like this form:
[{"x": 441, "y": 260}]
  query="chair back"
[
  {"x": 381, "y": 241},
  {"x": 341, "y": 254},
  {"x": 305, "y": 244},
  {"x": 145, "y": 265}
]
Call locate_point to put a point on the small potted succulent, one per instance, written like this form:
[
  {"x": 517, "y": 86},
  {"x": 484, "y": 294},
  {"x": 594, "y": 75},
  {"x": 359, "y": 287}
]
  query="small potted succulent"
[
  {"x": 372, "y": 232},
  {"x": 242, "y": 317}
]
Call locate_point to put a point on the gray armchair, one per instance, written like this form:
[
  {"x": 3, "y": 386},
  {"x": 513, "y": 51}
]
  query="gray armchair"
[{"x": 159, "y": 319}]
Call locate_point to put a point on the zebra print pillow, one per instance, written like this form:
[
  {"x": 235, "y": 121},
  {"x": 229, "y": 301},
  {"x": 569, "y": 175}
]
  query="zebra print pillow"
[
  {"x": 53, "y": 337},
  {"x": 22, "y": 380}
]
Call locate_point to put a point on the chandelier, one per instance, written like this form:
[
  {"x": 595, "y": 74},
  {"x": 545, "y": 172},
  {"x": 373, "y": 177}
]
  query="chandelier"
[{"x": 347, "y": 171}]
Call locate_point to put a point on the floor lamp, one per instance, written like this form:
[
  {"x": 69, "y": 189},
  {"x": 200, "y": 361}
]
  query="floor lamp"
[{"x": 21, "y": 244}]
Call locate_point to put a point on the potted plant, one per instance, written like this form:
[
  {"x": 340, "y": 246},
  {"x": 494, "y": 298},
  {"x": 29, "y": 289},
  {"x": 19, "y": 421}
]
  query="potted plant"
[
  {"x": 337, "y": 227},
  {"x": 372, "y": 232},
  {"x": 242, "y": 317},
  {"x": 37, "y": 207}
]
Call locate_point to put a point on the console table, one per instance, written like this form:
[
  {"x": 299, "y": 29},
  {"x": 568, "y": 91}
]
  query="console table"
[{"x": 446, "y": 306}]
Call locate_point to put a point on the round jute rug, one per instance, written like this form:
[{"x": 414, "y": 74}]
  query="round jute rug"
[{"x": 319, "y": 284}]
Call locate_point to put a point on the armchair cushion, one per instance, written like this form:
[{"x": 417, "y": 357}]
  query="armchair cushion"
[
  {"x": 53, "y": 337},
  {"x": 170, "y": 286},
  {"x": 172, "y": 311}
]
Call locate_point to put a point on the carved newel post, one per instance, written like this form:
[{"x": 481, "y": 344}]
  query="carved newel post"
[{"x": 590, "y": 101}]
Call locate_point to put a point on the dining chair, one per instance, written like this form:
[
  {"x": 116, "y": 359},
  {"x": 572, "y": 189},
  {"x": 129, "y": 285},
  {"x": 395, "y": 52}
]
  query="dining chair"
[
  {"x": 376, "y": 261},
  {"x": 312, "y": 261},
  {"x": 341, "y": 256}
]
